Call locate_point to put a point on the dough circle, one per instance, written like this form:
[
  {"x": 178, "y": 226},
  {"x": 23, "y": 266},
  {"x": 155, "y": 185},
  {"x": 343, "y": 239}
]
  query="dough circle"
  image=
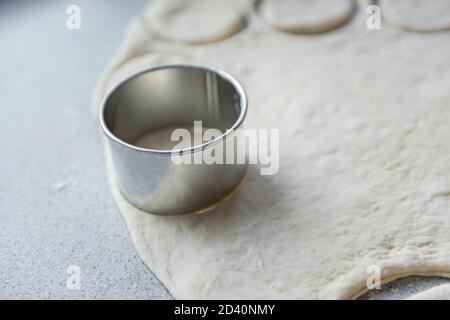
[
  {"x": 417, "y": 15},
  {"x": 195, "y": 21},
  {"x": 306, "y": 16}
]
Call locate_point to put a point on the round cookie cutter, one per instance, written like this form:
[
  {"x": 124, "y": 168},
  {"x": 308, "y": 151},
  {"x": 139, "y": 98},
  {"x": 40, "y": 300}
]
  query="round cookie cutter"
[{"x": 167, "y": 96}]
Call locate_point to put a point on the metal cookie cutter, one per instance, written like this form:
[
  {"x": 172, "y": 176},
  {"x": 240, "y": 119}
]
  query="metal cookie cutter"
[{"x": 168, "y": 96}]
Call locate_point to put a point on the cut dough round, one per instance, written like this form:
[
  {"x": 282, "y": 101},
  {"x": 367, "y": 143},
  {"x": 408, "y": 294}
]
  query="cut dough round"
[
  {"x": 417, "y": 15},
  {"x": 306, "y": 16},
  {"x": 195, "y": 21}
]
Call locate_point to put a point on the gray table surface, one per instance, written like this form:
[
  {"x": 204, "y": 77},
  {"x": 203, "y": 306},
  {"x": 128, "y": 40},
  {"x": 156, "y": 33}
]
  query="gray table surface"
[{"x": 55, "y": 205}]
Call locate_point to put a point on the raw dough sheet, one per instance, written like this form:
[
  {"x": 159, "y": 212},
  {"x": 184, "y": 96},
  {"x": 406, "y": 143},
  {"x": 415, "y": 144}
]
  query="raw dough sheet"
[{"x": 364, "y": 119}]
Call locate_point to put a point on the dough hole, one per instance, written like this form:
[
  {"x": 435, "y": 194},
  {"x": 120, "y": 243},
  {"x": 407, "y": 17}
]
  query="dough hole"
[
  {"x": 306, "y": 16},
  {"x": 417, "y": 15},
  {"x": 196, "y": 21}
]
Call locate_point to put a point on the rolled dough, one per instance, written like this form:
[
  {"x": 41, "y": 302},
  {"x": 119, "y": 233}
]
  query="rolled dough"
[
  {"x": 364, "y": 174},
  {"x": 417, "y": 15},
  {"x": 306, "y": 16}
]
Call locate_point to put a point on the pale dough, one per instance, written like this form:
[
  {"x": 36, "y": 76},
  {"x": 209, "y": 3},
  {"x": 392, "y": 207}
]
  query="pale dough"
[
  {"x": 306, "y": 16},
  {"x": 195, "y": 21},
  {"x": 441, "y": 292},
  {"x": 417, "y": 15},
  {"x": 162, "y": 139},
  {"x": 364, "y": 165}
]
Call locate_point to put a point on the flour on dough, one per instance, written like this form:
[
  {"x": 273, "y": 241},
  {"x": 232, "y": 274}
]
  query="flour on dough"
[
  {"x": 196, "y": 21},
  {"x": 441, "y": 292},
  {"x": 364, "y": 175},
  {"x": 417, "y": 15},
  {"x": 306, "y": 16}
]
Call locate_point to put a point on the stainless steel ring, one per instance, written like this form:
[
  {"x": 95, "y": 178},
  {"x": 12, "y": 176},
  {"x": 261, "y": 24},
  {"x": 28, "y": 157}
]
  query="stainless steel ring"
[{"x": 167, "y": 96}]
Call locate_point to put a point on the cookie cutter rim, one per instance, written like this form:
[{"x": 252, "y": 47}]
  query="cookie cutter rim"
[{"x": 228, "y": 77}]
